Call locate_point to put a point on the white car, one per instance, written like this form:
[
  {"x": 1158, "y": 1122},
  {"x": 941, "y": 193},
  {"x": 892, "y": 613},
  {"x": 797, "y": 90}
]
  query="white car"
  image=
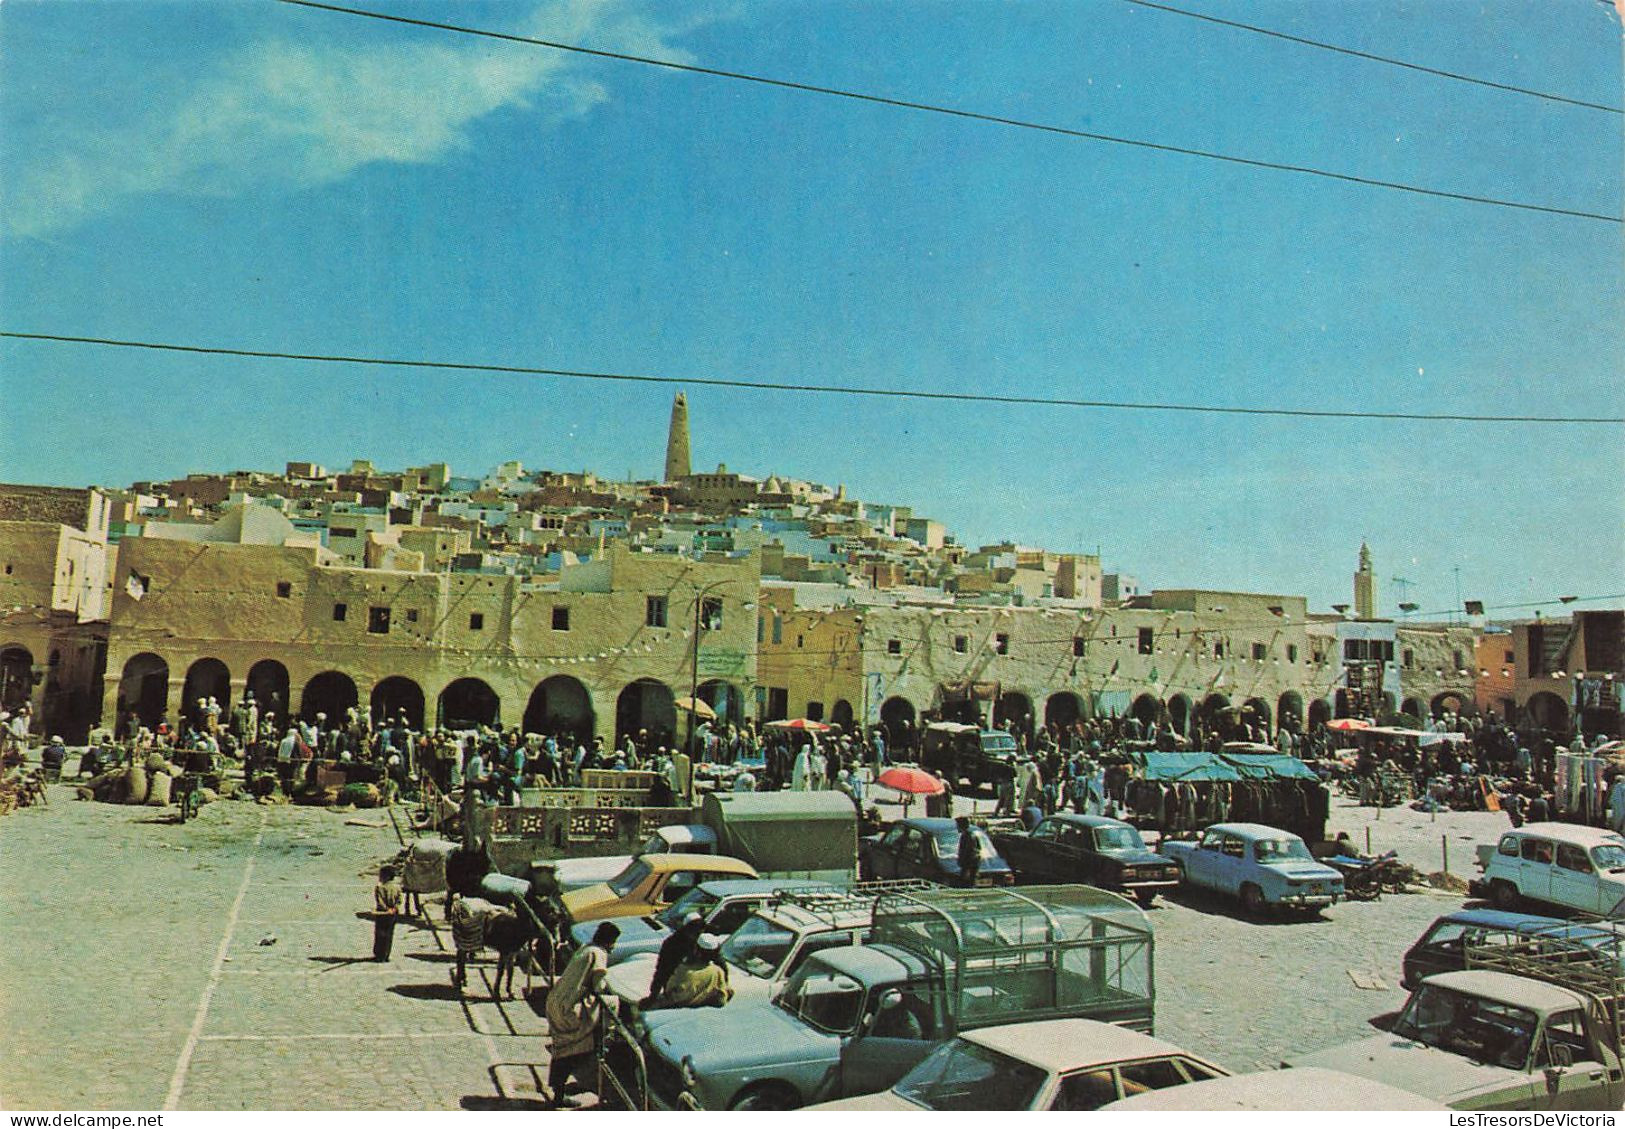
[
  {"x": 1562, "y": 864},
  {"x": 1308, "y": 1088},
  {"x": 1052, "y": 1064}
]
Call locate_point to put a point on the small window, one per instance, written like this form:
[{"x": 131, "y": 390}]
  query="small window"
[
  {"x": 561, "y": 619},
  {"x": 1158, "y": 1074},
  {"x": 1085, "y": 1091},
  {"x": 710, "y": 614},
  {"x": 1508, "y": 847},
  {"x": 1260, "y": 652},
  {"x": 1218, "y": 649},
  {"x": 1455, "y": 658},
  {"x": 801, "y": 640},
  {"x": 815, "y": 711},
  {"x": 1291, "y": 652},
  {"x": 1079, "y": 645},
  {"x": 1573, "y": 858},
  {"x": 778, "y": 628},
  {"x": 1408, "y": 657},
  {"x": 476, "y": 621},
  {"x": 340, "y": 611},
  {"x": 411, "y": 615},
  {"x": 961, "y": 644},
  {"x": 1510, "y": 657},
  {"x": 378, "y": 621},
  {"x": 1537, "y": 850},
  {"x": 894, "y": 646},
  {"x": 1148, "y": 639},
  {"x": 284, "y": 589},
  {"x": 654, "y": 611},
  {"x": 1001, "y": 644}
]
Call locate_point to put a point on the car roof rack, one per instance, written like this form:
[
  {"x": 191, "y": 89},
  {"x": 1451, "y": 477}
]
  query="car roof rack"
[{"x": 830, "y": 902}]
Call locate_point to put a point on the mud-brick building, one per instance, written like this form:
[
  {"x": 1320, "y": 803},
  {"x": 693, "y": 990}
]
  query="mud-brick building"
[{"x": 601, "y": 648}]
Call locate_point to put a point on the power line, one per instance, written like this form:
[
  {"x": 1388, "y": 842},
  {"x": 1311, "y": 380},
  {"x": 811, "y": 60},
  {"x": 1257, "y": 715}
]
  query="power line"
[
  {"x": 822, "y": 389},
  {"x": 1376, "y": 58},
  {"x": 971, "y": 115}
]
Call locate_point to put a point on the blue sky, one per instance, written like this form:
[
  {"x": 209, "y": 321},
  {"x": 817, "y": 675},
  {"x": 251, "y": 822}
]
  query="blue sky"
[{"x": 260, "y": 176}]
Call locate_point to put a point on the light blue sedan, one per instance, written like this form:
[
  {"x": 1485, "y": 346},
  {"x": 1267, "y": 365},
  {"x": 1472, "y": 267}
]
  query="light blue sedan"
[{"x": 1263, "y": 866}]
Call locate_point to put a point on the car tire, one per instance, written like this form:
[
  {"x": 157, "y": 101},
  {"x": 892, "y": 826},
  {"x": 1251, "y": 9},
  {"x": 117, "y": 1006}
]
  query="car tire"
[
  {"x": 1503, "y": 894},
  {"x": 1145, "y": 898},
  {"x": 765, "y": 1096},
  {"x": 1252, "y": 899}
]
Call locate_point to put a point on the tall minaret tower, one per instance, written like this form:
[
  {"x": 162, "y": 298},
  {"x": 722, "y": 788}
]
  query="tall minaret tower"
[
  {"x": 677, "y": 440},
  {"x": 1365, "y": 586}
]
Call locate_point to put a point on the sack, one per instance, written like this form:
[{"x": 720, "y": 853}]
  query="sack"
[
  {"x": 136, "y": 778},
  {"x": 158, "y": 794}
]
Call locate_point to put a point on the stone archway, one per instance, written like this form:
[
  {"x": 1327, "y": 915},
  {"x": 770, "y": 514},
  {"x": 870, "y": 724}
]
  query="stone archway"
[
  {"x": 1289, "y": 710},
  {"x": 1257, "y": 711},
  {"x": 1179, "y": 714},
  {"x": 466, "y": 703},
  {"x": 898, "y": 718},
  {"x": 394, "y": 696},
  {"x": 331, "y": 692},
  {"x": 1013, "y": 712},
  {"x": 268, "y": 682},
  {"x": 1450, "y": 701},
  {"x": 1320, "y": 712},
  {"x": 1412, "y": 707},
  {"x": 561, "y": 704},
  {"x": 1548, "y": 711},
  {"x": 1146, "y": 709},
  {"x": 206, "y": 678},
  {"x": 841, "y": 714},
  {"x": 727, "y": 701},
  {"x": 144, "y": 688},
  {"x": 1063, "y": 710},
  {"x": 646, "y": 704},
  {"x": 1212, "y": 707},
  {"x": 16, "y": 675}
]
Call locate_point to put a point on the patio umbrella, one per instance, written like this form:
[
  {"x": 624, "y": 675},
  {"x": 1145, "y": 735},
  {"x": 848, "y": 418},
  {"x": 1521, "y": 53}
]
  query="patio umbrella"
[
  {"x": 699, "y": 707},
  {"x": 911, "y": 781},
  {"x": 799, "y": 725},
  {"x": 1347, "y": 724}
]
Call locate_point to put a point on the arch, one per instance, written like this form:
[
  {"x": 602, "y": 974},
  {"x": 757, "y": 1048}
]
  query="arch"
[
  {"x": 1146, "y": 708},
  {"x": 1014, "y": 712},
  {"x": 144, "y": 688},
  {"x": 1212, "y": 706},
  {"x": 206, "y": 678},
  {"x": 16, "y": 675},
  {"x": 726, "y": 700},
  {"x": 897, "y": 718},
  {"x": 1320, "y": 712},
  {"x": 330, "y": 692},
  {"x": 466, "y": 703},
  {"x": 1548, "y": 711},
  {"x": 561, "y": 704},
  {"x": 1063, "y": 709},
  {"x": 1179, "y": 713},
  {"x": 1289, "y": 710},
  {"x": 1453, "y": 701},
  {"x": 1259, "y": 711},
  {"x": 394, "y": 696},
  {"x": 841, "y": 714},
  {"x": 268, "y": 682},
  {"x": 646, "y": 704},
  {"x": 1412, "y": 707}
]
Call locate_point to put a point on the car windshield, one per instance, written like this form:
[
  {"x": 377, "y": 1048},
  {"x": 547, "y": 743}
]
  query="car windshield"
[
  {"x": 948, "y": 843},
  {"x": 965, "y": 1076},
  {"x": 758, "y": 947},
  {"x": 829, "y": 1001},
  {"x": 695, "y": 901},
  {"x": 629, "y": 879},
  {"x": 1118, "y": 839},
  {"x": 1275, "y": 850},
  {"x": 1479, "y": 1029},
  {"x": 1609, "y": 856}
]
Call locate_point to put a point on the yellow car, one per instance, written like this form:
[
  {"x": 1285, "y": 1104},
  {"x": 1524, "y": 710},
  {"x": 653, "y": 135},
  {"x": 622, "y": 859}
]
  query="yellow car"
[{"x": 649, "y": 884}]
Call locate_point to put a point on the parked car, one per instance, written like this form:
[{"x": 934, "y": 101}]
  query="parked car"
[
  {"x": 723, "y": 903},
  {"x": 1055, "y": 1064},
  {"x": 1442, "y": 948},
  {"x": 1308, "y": 1088},
  {"x": 1265, "y": 867},
  {"x": 1561, "y": 864},
  {"x": 1092, "y": 849},
  {"x": 648, "y": 885},
  {"x": 560, "y": 876},
  {"x": 929, "y": 848}
]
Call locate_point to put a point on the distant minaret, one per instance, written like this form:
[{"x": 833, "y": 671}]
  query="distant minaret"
[
  {"x": 1365, "y": 587},
  {"x": 677, "y": 440}
]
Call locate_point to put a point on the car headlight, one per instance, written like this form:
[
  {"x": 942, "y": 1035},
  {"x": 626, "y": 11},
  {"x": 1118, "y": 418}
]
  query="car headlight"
[{"x": 686, "y": 1070}]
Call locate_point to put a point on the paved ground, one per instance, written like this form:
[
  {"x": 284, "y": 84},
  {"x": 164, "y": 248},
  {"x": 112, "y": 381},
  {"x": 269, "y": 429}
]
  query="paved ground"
[{"x": 132, "y": 973}]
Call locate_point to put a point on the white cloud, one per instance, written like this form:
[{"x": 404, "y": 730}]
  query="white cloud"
[{"x": 303, "y": 113}]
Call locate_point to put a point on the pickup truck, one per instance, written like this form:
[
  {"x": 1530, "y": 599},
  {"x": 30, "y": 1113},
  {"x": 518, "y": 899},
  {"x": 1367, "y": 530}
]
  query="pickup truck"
[
  {"x": 854, "y": 1020},
  {"x": 1092, "y": 849},
  {"x": 1265, "y": 867},
  {"x": 961, "y": 753}
]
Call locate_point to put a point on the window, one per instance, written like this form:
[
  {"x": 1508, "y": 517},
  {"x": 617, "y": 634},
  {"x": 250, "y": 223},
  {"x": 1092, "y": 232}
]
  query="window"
[
  {"x": 1509, "y": 846},
  {"x": 1079, "y": 644},
  {"x": 1218, "y": 649},
  {"x": 778, "y": 631},
  {"x": 340, "y": 611},
  {"x": 561, "y": 619},
  {"x": 710, "y": 614},
  {"x": 894, "y": 646},
  {"x": 801, "y": 640},
  {"x": 378, "y": 621},
  {"x": 1001, "y": 644},
  {"x": 961, "y": 644},
  {"x": 1148, "y": 639},
  {"x": 815, "y": 711},
  {"x": 1509, "y": 656},
  {"x": 1573, "y": 858},
  {"x": 1138, "y": 1077},
  {"x": 1354, "y": 649},
  {"x": 340, "y": 531},
  {"x": 1291, "y": 652},
  {"x": 654, "y": 611},
  {"x": 1235, "y": 848},
  {"x": 1260, "y": 652},
  {"x": 1537, "y": 850},
  {"x": 1086, "y": 1091},
  {"x": 1566, "y": 1042},
  {"x": 476, "y": 621},
  {"x": 411, "y": 615},
  {"x": 284, "y": 589},
  {"x": 778, "y": 703},
  {"x": 1409, "y": 658},
  {"x": 1455, "y": 659}
]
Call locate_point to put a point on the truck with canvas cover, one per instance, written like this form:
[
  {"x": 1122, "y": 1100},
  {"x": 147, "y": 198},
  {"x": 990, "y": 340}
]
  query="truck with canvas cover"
[{"x": 854, "y": 1020}]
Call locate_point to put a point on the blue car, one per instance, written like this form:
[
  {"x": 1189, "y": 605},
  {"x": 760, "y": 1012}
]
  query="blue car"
[
  {"x": 1265, "y": 867},
  {"x": 928, "y": 848}
]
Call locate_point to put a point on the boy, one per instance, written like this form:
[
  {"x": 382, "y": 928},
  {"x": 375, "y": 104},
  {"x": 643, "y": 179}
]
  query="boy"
[{"x": 386, "y": 907}]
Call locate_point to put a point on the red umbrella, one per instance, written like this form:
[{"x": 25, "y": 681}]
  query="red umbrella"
[
  {"x": 1348, "y": 723},
  {"x": 800, "y": 725},
  {"x": 913, "y": 781}
]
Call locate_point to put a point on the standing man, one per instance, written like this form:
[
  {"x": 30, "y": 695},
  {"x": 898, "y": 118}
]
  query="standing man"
[
  {"x": 969, "y": 854},
  {"x": 572, "y": 1012},
  {"x": 386, "y": 909}
]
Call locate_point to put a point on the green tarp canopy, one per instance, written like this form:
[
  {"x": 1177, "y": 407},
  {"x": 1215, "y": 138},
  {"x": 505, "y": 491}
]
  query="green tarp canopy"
[
  {"x": 1269, "y": 766},
  {"x": 785, "y": 832},
  {"x": 1188, "y": 768}
]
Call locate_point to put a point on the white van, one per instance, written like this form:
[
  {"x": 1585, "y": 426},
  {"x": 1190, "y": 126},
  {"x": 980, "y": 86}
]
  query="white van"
[{"x": 1562, "y": 864}]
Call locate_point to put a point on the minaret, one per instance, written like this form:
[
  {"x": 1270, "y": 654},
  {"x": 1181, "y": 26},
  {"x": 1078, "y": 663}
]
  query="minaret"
[
  {"x": 677, "y": 440},
  {"x": 1365, "y": 587}
]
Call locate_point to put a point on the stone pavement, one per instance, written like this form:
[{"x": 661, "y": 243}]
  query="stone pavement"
[{"x": 132, "y": 973}]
